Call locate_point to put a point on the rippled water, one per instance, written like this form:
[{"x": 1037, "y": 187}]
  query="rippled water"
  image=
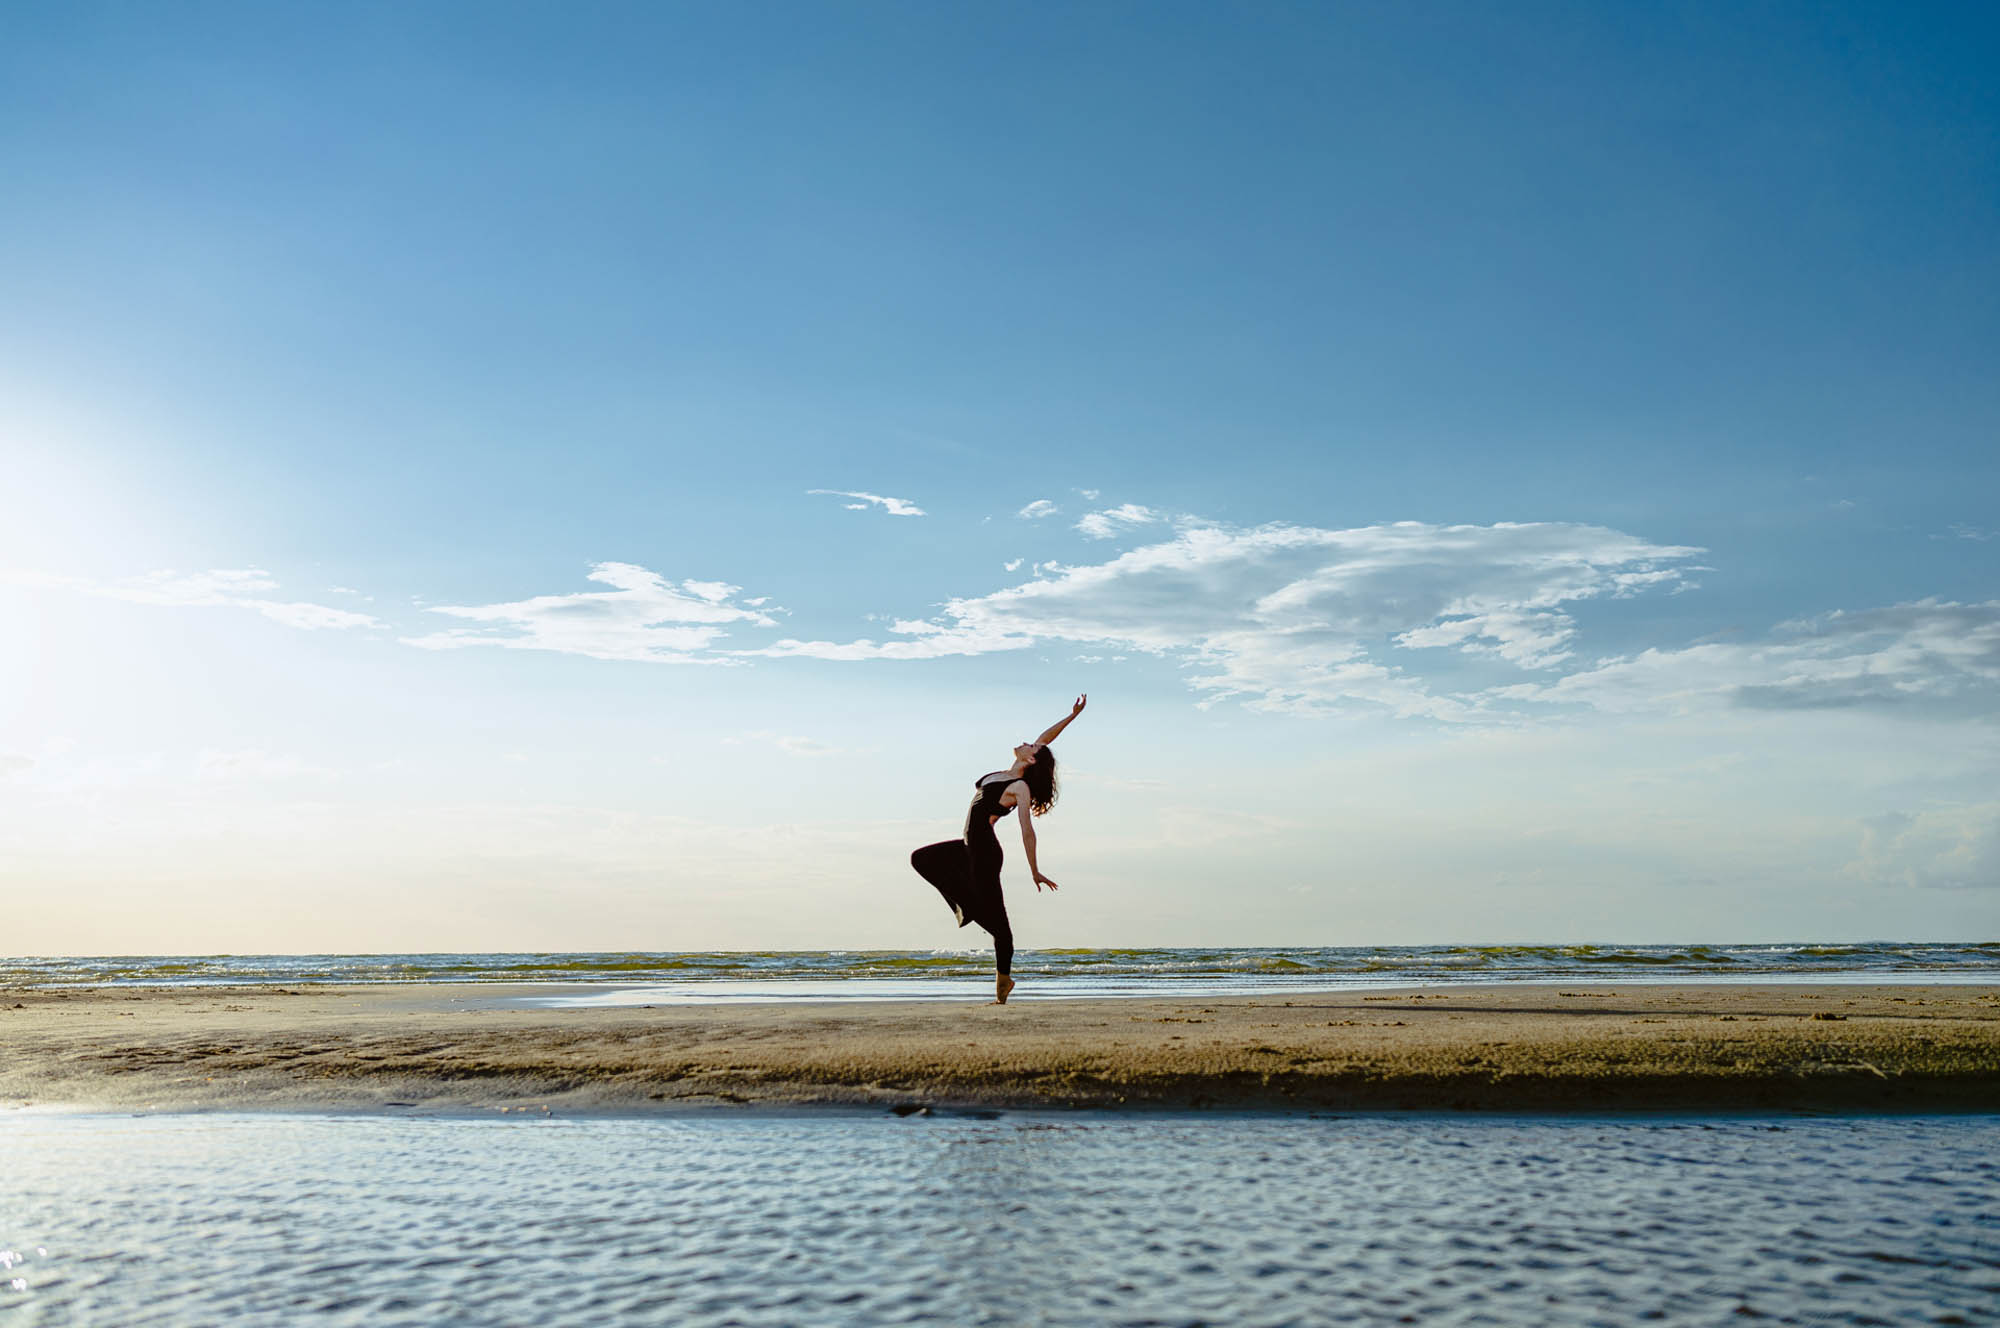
[
  {"x": 865, "y": 1218},
  {"x": 899, "y": 974}
]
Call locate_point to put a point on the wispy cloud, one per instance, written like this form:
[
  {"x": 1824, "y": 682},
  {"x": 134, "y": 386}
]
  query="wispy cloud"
[
  {"x": 1302, "y": 619},
  {"x": 1965, "y": 532},
  {"x": 255, "y": 766},
  {"x": 1312, "y": 621},
  {"x": 894, "y": 506},
  {"x": 240, "y": 588},
  {"x": 1105, "y": 524},
  {"x": 1041, "y": 507},
  {"x": 641, "y": 617},
  {"x": 1197, "y": 827},
  {"x": 1929, "y": 653},
  {"x": 789, "y": 743},
  {"x": 1533, "y": 639},
  {"x": 1948, "y": 848}
]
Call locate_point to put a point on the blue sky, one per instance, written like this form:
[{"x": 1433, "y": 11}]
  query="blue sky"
[{"x": 1548, "y": 450}]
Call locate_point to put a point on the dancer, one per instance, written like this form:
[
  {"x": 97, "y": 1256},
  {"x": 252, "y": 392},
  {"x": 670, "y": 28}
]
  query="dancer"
[{"x": 967, "y": 871}]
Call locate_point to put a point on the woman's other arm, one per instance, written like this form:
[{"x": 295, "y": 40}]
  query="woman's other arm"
[
  {"x": 1049, "y": 734},
  {"x": 1028, "y": 837}
]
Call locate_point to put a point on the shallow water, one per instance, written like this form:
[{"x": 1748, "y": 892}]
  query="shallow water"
[
  {"x": 1028, "y": 1218},
  {"x": 951, "y": 973},
  {"x": 1042, "y": 987}
]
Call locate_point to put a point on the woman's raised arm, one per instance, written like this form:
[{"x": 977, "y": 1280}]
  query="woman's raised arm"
[{"x": 1049, "y": 734}]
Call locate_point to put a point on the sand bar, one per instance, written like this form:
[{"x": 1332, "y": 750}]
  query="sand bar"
[{"x": 1489, "y": 1047}]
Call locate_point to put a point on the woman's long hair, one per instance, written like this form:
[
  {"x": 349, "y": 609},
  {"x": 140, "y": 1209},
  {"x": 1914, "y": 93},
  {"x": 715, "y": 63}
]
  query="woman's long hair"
[{"x": 1041, "y": 777}]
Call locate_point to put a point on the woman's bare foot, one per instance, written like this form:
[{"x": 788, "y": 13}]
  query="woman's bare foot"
[{"x": 1002, "y": 984}]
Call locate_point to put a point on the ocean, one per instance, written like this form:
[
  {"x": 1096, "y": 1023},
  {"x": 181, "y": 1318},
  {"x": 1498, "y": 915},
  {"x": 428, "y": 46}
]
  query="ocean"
[{"x": 695, "y": 977}]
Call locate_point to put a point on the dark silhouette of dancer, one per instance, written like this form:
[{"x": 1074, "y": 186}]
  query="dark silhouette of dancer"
[{"x": 967, "y": 871}]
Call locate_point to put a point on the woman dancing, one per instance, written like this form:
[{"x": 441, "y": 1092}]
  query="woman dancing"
[{"x": 967, "y": 871}]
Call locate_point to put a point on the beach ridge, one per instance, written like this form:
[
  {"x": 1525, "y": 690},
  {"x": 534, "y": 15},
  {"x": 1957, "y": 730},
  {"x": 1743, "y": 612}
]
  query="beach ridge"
[{"x": 1484, "y": 1047}]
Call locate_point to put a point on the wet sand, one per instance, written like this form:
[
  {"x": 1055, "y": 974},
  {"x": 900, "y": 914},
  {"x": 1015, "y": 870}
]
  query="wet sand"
[{"x": 1488, "y": 1047}]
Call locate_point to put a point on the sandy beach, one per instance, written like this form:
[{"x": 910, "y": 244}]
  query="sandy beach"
[{"x": 1492, "y": 1047}]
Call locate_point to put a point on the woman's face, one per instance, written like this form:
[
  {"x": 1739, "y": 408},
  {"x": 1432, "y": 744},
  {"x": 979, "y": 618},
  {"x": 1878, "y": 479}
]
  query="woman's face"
[{"x": 1026, "y": 752}]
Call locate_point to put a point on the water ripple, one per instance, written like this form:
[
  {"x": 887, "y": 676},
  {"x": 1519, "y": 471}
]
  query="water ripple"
[
  {"x": 218, "y": 1220},
  {"x": 901, "y": 974}
]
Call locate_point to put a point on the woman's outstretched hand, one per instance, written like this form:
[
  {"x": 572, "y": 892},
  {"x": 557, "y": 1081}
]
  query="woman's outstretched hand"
[
  {"x": 1041, "y": 880},
  {"x": 1054, "y": 731}
]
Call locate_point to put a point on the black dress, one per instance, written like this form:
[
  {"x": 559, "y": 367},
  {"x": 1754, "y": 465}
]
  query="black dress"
[{"x": 967, "y": 871}]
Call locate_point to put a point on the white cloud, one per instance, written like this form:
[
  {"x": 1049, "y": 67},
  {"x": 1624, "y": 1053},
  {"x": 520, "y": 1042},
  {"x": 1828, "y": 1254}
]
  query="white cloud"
[
  {"x": 241, "y": 588},
  {"x": 13, "y": 763},
  {"x": 254, "y": 765},
  {"x": 1089, "y": 495},
  {"x": 641, "y": 618},
  {"x": 221, "y": 586},
  {"x": 1105, "y": 524},
  {"x": 1955, "y": 848},
  {"x": 1307, "y": 620},
  {"x": 98, "y": 774},
  {"x": 894, "y": 506},
  {"x": 1041, "y": 507},
  {"x": 1930, "y": 653},
  {"x": 311, "y": 616},
  {"x": 1301, "y": 619},
  {"x": 1197, "y": 826},
  {"x": 1013, "y": 565},
  {"x": 788, "y": 743},
  {"x": 1965, "y": 532},
  {"x": 1533, "y": 640}
]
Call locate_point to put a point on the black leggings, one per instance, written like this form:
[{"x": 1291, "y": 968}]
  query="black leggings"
[
  {"x": 967, "y": 873},
  {"x": 1003, "y": 949},
  {"x": 1003, "y": 946}
]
